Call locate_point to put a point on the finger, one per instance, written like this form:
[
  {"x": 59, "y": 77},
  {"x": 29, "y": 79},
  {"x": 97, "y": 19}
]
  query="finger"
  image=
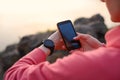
[
  {"x": 63, "y": 47},
  {"x": 78, "y": 37},
  {"x": 61, "y": 40},
  {"x": 71, "y": 51},
  {"x": 82, "y": 36}
]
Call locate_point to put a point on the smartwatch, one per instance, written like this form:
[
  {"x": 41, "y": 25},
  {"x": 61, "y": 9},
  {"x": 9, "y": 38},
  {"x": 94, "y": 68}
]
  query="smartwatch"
[{"x": 49, "y": 44}]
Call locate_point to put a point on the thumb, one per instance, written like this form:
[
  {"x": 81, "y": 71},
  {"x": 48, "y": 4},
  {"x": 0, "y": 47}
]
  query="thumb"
[{"x": 81, "y": 36}]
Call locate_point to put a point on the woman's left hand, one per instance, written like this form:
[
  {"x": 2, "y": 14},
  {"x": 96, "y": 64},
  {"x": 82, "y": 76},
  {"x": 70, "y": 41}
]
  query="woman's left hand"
[{"x": 57, "y": 39}]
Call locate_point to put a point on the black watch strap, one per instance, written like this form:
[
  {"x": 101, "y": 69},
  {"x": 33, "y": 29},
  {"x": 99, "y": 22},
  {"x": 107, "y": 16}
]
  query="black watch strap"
[{"x": 49, "y": 44}]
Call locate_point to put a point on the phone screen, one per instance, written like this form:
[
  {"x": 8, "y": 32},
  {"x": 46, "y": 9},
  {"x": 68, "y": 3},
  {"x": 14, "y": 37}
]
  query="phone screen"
[{"x": 67, "y": 32}]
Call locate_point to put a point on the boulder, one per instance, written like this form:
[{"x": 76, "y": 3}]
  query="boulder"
[
  {"x": 94, "y": 26},
  {"x": 29, "y": 42}
]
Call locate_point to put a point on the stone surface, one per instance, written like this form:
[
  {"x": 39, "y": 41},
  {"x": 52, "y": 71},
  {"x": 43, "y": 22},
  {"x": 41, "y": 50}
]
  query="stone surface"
[{"x": 94, "y": 26}]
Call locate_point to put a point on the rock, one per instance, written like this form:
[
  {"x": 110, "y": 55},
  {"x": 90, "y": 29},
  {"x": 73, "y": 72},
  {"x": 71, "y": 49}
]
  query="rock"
[
  {"x": 28, "y": 43},
  {"x": 1, "y": 68},
  {"x": 9, "y": 56},
  {"x": 94, "y": 26}
]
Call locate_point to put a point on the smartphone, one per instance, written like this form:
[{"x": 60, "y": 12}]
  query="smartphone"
[{"x": 68, "y": 32}]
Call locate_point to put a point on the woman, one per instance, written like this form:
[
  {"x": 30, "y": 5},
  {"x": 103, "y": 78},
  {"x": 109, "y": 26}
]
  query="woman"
[{"x": 100, "y": 63}]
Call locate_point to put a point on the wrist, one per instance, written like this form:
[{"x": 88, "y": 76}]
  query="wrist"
[
  {"x": 49, "y": 44},
  {"x": 103, "y": 44},
  {"x": 46, "y": 50}
]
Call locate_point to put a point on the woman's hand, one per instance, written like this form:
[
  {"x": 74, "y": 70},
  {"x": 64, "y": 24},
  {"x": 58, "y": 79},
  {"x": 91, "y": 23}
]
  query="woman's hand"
[
  {"x": 57, "y": 39},
  {"x": 59, "y": 44},
  {"x": 88, "y": 42}
]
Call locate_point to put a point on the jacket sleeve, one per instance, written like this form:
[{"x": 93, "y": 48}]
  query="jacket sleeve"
[
  {"x": 26, "y": 66},
  {"x": 34, "y": 66}
]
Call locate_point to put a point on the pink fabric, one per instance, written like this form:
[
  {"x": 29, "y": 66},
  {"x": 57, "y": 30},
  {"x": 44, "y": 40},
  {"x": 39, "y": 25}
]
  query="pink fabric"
[{"x": 100, "y": 64}]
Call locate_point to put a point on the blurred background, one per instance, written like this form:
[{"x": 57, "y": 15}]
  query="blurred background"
[
  {"x": 25, "y": 23},
  {"x": 22, "y": 17}
]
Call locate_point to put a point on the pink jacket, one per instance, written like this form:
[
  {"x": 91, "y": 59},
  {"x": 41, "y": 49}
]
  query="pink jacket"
[{"x": 100, "y": 64}]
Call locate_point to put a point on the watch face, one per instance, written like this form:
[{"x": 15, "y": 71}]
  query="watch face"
[{"x": 48, "y": 43}]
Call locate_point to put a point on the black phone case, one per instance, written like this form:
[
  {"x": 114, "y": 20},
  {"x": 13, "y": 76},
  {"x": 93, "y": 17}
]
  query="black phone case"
[{"x": 70, "y": 44}]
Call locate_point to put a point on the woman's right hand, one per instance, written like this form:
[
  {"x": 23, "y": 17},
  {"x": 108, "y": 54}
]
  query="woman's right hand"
[{"x": 88, "y": 42}]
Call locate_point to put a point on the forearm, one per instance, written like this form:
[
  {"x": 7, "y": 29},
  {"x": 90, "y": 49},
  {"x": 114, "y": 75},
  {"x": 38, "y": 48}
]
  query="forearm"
[
  {"x": 46, "y": 50},
  {"x": 35, "y": 57}
]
